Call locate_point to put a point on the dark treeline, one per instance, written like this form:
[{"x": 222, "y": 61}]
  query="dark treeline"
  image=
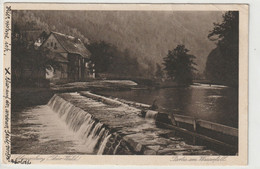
[
  {"x": 29, "y": 64},
  {"x": 109, "y": 60},
  {"x": 222, "y": 63}
]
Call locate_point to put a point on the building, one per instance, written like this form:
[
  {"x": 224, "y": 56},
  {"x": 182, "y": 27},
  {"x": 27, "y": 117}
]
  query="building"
[{"x": 70, "y": 53}]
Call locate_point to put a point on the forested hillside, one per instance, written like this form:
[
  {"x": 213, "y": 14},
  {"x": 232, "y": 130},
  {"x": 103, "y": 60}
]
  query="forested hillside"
[
  {"x": 146, "y": 36},
  {"x": 222, "y": 63}
]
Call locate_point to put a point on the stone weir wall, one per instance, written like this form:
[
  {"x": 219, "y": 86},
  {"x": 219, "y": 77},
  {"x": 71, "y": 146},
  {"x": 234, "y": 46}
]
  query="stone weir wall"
[{"x": 126, "y": 131}]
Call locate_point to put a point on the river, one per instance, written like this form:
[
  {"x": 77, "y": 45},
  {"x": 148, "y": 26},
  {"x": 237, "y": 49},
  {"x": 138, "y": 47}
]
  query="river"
[
  {"x": 67, "y": 127},
  {"x": 213, "y": 103}
]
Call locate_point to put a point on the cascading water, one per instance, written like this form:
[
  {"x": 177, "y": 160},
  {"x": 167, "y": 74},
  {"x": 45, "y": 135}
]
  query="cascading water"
[
  {"x": 103, "y": 145},
  {"x": 115, "y": 150},
  {"x": 150, "y": 114},
  {"x": 92, "y": 133}
]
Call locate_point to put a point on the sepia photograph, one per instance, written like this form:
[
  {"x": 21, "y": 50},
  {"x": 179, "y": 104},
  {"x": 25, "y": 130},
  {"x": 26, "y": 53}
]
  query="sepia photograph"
[{"x": 143, "y": 82}]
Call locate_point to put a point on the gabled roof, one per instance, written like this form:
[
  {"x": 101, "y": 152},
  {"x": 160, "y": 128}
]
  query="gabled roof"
[{"x": 72, "y": 44}]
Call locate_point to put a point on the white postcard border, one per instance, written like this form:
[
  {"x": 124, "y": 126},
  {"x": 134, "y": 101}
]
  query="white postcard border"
[{"x": 241, "y": 159}]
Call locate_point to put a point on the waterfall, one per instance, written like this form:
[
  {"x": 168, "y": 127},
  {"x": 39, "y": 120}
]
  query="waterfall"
[
  {"x": 114, "y": 152},
  {"x": 103, "y": 145},
  {"x": 150, "y": 114},
  {"x": 92, "y": 133}
]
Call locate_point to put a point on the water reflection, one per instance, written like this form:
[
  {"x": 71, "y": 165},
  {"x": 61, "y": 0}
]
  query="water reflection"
[{"x": 216, "y": 104}]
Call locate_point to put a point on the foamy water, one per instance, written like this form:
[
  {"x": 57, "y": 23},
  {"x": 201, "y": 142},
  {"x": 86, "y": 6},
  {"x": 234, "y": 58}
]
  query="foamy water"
[{"x": 50, "y": 128}]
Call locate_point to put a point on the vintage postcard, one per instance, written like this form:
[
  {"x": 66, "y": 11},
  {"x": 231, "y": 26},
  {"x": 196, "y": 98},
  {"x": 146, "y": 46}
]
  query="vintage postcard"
[{"x": 125, "y": 84}]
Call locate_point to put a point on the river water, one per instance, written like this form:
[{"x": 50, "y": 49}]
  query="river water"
[
  {"x": 40, "y": 130},
  {"x": 213, "y": 103}
]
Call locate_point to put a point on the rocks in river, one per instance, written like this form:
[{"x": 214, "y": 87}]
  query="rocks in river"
[
  {"x": 155, "y": 148},
  {"x": 149, "y": 152},
  {"x": 135, "y": 145}
]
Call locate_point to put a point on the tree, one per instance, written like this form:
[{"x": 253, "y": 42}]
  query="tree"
[
  {"x": 159, "y": 72},
  {"x": 179, "y": 65},
  {"x": 28, "y": 63},
  {"x": 107, "y": 58},
  {"x": 222, "y": 63},
  {"x": 102, "y": 54},
  {"x": 26, "y": 57}
]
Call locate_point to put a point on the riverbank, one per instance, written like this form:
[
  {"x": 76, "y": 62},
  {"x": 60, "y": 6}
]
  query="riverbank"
[
  {"x": 118, "y": 85},
  {"x": 95, "y": 85}
]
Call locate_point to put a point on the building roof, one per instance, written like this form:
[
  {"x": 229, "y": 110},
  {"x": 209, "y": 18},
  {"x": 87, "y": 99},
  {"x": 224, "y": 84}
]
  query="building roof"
[{"x": 72, "y": 44}]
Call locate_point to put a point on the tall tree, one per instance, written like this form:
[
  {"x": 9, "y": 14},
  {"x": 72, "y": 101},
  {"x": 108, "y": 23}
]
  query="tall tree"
[
  {"x": 102, "y": 54},
  {"x": 222, "y": 63},
  {"x": 179, "y": 65},
  {"x": 159, "y": 72}
]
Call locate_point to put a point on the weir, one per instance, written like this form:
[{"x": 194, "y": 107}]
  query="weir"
[
  {"x": 109, "y": 128},
  {"x": 82, "y": 123},
  {"x": 150, "y": 114}
]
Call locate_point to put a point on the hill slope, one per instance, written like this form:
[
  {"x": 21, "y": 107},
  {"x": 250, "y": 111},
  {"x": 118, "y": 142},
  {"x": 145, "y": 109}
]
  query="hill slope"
[{"x": 147, "y": 35}]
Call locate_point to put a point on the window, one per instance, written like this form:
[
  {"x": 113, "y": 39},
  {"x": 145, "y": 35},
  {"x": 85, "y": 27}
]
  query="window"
[
  {"x": 47, "y": 44},
  {"x": 55, "y": 45},
  {"x": 51, "y": 44}
]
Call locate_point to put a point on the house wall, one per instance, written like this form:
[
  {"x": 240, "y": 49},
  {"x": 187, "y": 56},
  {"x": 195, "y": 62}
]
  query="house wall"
[
  {"x": 73, "y": 70},
  {"x": 53, "y": 44},
  {"x": 73, "y": 66},
  {"x": 64, "y": 71}
]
